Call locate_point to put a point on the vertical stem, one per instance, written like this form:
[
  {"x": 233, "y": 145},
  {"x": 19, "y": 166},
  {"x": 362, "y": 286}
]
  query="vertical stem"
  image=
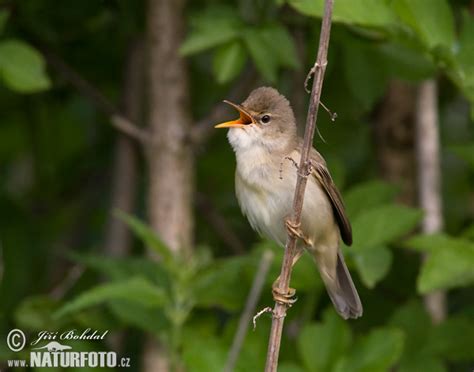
[
  {"x": 279, "y": 311},
  {"x": 429, "y": 179}
]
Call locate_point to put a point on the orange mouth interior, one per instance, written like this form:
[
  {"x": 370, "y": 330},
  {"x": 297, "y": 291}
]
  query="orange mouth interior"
[{"x": 245, "y": 118}]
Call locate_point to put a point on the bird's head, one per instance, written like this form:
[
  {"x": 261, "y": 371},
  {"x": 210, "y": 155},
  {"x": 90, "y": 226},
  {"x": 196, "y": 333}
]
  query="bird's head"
[{"x": 266, "y": 119}]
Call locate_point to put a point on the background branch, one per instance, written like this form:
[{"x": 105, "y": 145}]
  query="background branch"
[{"x": 280, "y": 309}]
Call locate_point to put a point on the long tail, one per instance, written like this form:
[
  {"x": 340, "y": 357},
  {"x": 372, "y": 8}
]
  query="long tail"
[{"x": 342, "y": 291}]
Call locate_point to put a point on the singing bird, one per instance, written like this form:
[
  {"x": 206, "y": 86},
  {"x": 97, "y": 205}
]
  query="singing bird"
[{"x": 267, "y": 149}]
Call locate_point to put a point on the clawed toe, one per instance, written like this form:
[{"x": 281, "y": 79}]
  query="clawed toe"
[
  {"x": 286, "y": 298},
  {"x": 295, "y": 230}
]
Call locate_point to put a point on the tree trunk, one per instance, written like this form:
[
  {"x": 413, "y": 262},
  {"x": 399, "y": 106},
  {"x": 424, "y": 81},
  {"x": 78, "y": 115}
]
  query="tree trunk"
[
  {"x": 394, "y": 139},
  {"x": 170, "y": 156},
  {"x": 170, "y": 160},
  {"x": 406, "y": 134},
  {"x": 429, "y": 179}
]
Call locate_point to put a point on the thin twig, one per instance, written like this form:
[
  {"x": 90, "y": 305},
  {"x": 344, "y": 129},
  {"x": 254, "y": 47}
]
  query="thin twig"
[
  {"x": 280, "y": 309},
  {"x": 332, "y": 115},
  {"x": 117, "y": 119},
  {"x": 250, "y": 305}
]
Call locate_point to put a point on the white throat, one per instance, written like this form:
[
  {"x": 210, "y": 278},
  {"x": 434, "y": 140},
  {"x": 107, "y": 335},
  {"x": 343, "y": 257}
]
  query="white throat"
[{"x": 254, "y": 152}]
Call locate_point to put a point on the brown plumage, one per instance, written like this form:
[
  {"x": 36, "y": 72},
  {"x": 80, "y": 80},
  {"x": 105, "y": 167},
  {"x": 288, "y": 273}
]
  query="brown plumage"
[{"x": 264, "y": 138}]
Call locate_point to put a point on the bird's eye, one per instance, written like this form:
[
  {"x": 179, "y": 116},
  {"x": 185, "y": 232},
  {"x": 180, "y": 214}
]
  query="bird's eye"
[{"x": 265, "y": 119}]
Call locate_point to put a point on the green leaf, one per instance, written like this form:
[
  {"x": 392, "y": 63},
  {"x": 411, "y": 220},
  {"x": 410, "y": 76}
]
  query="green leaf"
[
  {"x": 374, "y": 13},
  {"x": 406, "y": 63},
  {"x": 422, "y": 363},
  {"x": 367, "y": 195},
  {"x": 229, "y": 60},
  {"x": 413, "y": 320},
  {"x": 201, "y": 40},
  {"x": 214, "y": 26},
  {"x": 22, "y": 68},
  {"x": 211, "y": 286},
  {"x": 463, "y": 74},
  {"x": 383, "y": 224},
  {"x": 376, "y": 352},
  {"x": 447, "y": 269},
  {"x": 431, "y": 20},
  {"x": 372, "y": 264},
  {"x": 454, "y": 339},
  {"x": 150, "y": 320},
  {"x": 366, "y": 76},
  {"x": 35, "y": 313},
  {"x": 320, "y": 345},
  {"x": 261, "y": 54},
  {"x": 281, "y": 44},
  {"x": 116, "y": 268},
  {"x": 435, "y": 242},
  {"x": 465, "y": 54},
  {"x": 136, "y": 290},
  {"x": 449, "y": 263},
  {"x": 149, "y": 238},
  {"x": 204, "y": 354}
]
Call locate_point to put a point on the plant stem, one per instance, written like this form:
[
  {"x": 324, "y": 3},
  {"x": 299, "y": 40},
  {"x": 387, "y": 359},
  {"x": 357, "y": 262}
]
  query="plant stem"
[{"x": 279, "y": 311}]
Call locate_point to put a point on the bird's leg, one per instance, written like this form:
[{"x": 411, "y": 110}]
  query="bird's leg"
[
  {"x": 295, "y": 230},
  {"x": 286, "y": 298}
]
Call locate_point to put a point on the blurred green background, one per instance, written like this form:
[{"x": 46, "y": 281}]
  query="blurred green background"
[{"x": 70, "y": 260}]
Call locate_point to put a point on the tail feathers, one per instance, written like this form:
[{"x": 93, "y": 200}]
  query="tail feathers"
[{"x": 342, "y": 291}]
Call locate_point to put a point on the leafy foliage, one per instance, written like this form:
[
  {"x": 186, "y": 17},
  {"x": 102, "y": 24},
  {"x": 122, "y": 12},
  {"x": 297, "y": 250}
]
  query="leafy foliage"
[
  {"x": 269, "y": 45},
  {"x": 22, "y": 68},
  {"x": 430, "y": 344},
  {"x": 376, "y": 223},
  {"x": 449, "y": 263},
  {"x": 135, "y": 290},
  {"x": 350, "y": 12},
  {"x": 337, "y": 340}
]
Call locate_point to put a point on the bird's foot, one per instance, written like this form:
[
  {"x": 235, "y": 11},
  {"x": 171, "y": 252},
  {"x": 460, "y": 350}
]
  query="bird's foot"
[
  {"x": 285, "y": 298},
  {"x": 295, "y": 230}
]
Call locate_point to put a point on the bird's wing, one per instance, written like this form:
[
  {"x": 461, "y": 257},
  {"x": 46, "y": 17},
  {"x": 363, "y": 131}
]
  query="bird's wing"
[{"x": 321, "y": 173}]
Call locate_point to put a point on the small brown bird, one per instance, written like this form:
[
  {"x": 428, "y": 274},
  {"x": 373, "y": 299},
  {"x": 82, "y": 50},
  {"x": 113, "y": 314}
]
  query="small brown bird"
[{"x": 267, "y": 147}]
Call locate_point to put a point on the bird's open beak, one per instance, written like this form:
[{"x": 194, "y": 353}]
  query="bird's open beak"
[{"x": 245, "y": 118}]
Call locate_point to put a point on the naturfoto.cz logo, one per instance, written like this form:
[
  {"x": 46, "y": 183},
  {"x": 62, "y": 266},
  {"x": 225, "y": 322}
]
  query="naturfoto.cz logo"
[{"x": 56, "y": 354}]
